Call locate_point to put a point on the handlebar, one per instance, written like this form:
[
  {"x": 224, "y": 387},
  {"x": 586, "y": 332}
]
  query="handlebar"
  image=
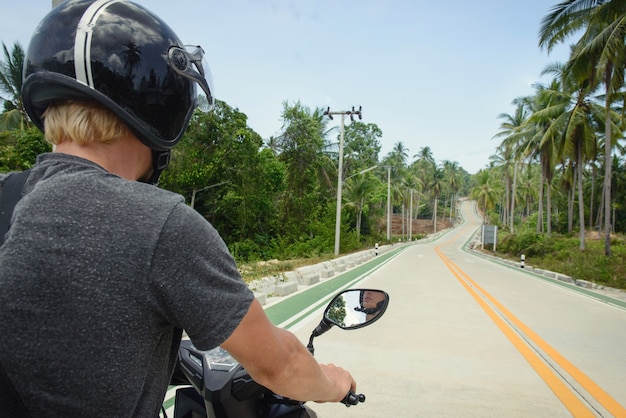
[{"x": 353, "y": 399}]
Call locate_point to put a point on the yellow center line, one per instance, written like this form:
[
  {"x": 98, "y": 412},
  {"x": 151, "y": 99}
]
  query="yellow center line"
[
  {"x": 569, "y": 399},
  {"x": 606, "y": 400}
]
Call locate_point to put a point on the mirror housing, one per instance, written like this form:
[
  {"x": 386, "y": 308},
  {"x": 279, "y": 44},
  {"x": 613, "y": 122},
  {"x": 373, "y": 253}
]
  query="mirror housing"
[
  {"x": 356, "y": 308},
  {"x": 352, "y": 309}
]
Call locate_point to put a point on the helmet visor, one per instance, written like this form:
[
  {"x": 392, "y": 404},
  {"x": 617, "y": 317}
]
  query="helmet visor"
[{"x": 189, "y": 62}]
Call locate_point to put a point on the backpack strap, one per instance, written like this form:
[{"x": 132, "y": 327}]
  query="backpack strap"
[
  {"x": 10, "y": 402},
  {"x": 10, "y": 194}
]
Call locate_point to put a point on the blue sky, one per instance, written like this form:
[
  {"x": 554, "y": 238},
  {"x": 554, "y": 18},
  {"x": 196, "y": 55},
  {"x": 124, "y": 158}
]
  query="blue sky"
[{"x": 428, "y": 73}]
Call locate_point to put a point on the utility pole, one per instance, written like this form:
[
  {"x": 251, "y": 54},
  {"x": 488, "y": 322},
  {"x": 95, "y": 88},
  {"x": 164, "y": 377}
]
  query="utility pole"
[
  {"x": 343, "y": 114},
  {"x": 411, "y": 217},
  {"x": 388, "y": 203}
]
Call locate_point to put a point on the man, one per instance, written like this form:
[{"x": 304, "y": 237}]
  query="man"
[
  {"x": 100, "y": 273},
  {"x": 373, "y": 302}
]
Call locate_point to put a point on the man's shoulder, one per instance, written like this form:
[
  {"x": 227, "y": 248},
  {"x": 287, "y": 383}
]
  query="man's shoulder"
[{"x": 153, "y": 193}]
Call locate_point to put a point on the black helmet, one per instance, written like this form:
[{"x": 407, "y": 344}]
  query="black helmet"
[{"x": 124, "y": 57}]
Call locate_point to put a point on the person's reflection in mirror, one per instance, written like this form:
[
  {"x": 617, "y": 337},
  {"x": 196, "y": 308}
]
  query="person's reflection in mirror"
[{"x": 372, "y": 303}]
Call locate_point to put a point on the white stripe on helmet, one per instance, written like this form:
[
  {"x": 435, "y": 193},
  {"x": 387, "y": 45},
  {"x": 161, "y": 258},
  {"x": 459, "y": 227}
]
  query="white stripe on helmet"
[{"x": 82, "y": 42}]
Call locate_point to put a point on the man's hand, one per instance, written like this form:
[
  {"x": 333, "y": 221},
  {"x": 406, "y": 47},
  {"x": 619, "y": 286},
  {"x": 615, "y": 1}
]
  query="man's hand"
[{"x": 341, "y": 380}]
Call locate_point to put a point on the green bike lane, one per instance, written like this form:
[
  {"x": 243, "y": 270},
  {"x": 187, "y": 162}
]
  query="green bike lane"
[{"x": 292, "y": 309}]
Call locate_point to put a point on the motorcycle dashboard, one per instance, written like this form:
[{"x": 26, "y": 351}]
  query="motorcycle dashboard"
[{"x": 220, "y": 360}]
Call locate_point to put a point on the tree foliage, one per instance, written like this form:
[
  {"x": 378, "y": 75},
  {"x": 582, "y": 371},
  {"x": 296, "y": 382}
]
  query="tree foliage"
[
  {"x": 221, "y": 170},
  {"x": 13, "y": 115},
  {"x": 570, "y": 133},
  {"x": 559, "y": 168},
  {"x": 19, "y": 149}
]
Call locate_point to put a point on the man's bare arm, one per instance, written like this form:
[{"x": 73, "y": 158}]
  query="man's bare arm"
[{"x": 276, "y": 359}]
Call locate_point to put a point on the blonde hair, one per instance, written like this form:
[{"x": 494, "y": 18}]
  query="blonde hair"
[{"x": 82, "y": 123}]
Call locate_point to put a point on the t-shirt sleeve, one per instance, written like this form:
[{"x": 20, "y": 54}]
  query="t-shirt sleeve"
[{"x": 195, "y": 281}]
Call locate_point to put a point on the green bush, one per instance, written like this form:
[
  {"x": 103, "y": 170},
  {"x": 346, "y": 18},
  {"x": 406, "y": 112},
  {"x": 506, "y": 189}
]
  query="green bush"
[
  {"x": 562, "y": 254},
  {"x": 245, "y": 251},
  {"x": 527, "y": 243},
  {"x": 19, "y": 149}
]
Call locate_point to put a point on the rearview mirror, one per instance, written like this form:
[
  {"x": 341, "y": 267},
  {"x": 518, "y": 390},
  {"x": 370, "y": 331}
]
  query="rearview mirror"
[{"x": 352, "y": 309}]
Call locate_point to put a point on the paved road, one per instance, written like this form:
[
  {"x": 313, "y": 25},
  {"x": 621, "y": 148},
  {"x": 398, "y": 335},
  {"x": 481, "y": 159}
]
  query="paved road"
[{"x": 466, "y": 337}]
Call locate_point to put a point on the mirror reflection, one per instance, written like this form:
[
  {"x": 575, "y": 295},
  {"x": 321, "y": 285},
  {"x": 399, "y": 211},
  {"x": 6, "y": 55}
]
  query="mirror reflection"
[{"x": 355, "y": 308}]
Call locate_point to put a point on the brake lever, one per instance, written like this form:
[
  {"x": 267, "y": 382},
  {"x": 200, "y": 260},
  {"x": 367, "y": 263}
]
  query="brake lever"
[{"x": 353, "y": 399}]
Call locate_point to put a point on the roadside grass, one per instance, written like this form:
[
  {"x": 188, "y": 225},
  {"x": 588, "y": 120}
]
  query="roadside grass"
[
  {"x": 259, "y": 269},
  {"x": 561, "y": 254},
  {"x": 254, "y": 270}
]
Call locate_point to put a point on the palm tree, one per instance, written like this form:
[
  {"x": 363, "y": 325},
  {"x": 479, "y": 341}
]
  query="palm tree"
[
  {"x": 435, "y": 187},
  {"x": 425, "y": 164},
  {"x": 132, "y": 57},
  {"x": 358, "y": 190},
  {"x": 619, "y": 185},
  {"x": 503, "y": 164},
  {"x": 566, "y": 186},
  {"x": 396, "y": 161},
  {"x": 423, "y": 168},
  {"x": 538, "y": 144},
  {"x": 13, "y": 115},
  {"x": 414, "y": 186},
  {"x": 272, "y": 143},
  {"x": 451, "y": 172},
  {"x": 398, "y": 155},
  {"x": 425, "y": 155},
  {"x": 604, "y": 30},
  {"x": 527, "y": 189},
  {"x": 485, "y": 193},
  {"x": 573, "y": 118},
  {"x": 511, "y": 129}
]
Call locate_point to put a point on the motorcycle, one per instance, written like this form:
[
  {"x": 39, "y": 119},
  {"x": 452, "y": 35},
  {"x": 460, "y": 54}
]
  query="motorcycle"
[{"x": 217, "y": 386}]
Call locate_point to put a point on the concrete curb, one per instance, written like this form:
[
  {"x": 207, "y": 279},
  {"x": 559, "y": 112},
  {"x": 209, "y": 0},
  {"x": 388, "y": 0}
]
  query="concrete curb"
[{"x": 290, "y": 282}]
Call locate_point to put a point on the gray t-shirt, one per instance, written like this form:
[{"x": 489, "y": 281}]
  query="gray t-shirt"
[{"x": 98, "y": 276}]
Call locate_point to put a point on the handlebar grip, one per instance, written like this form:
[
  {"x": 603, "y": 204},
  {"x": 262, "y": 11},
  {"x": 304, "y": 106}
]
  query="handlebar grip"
[{"x": 353, "y": 399}]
